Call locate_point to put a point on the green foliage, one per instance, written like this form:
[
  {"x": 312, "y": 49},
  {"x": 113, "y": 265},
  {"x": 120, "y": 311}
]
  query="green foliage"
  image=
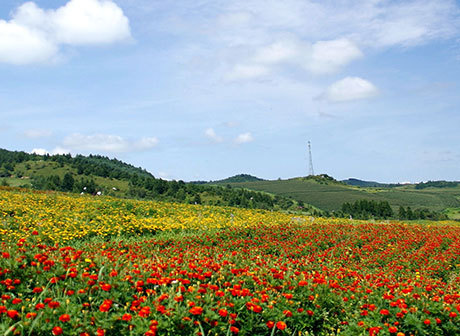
[
  {"x": 329, "y": 195},
  {"x": 361, "y": 183},
  {"x": 94, "y": 173},
  {"x": 436, "y": 184},
  {"x": 364, "y": 209},
  {"x": 238, "y": 178}
]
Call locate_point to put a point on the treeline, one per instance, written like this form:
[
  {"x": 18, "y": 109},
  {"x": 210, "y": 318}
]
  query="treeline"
[
  {"x": 143, "y": 187},
  {"x": 366, "y": 209},
  {"x": 97, "y": 165},
  {"x": 141, "y": 183},
  {"x": 68, "y": 183},
  {"x": 436, "y": 184},
  {"x": 422, "y": 213}
]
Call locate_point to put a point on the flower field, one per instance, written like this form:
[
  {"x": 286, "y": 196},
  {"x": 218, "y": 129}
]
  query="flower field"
[
  {"x": 63, "y": 217},
  {"x": 102, "y": 266}
]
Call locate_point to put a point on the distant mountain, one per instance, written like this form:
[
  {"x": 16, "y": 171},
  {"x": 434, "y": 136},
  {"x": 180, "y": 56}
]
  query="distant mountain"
[
  {"x": 239, "y": 178},
  {"x": 365, "y": 184},
  {"x": 326, "y": 193}
]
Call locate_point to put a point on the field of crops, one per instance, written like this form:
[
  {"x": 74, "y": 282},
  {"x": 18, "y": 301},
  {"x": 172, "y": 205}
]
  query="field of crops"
[{"x": 74, "y": 265}]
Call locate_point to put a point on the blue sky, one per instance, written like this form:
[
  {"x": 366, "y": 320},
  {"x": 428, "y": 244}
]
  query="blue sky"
[{"x": 202, "y": 90}]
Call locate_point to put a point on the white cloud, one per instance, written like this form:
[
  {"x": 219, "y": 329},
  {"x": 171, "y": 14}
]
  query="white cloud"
[
  {"x": 211, "y": 134},
  {"x": 246, "y": 40},
  {"x": 39, "y": 151},
  {"x": 34, "y": 35},
  {"x": 37, "y": 133},
  {"x": 107, "y": 143},
  {"x": 371, "y": 23},
  {"x": 246, "y": 71},
  {"x": 59, "y": 150},
  {"x": 321, "y": 57},
  {"x": 244, "y": 138},
  {"x": 55, "y": 151},
  {"x": 330, "y": 56},
  {"x": 90, "y": 22},
  {"x": 279, "y": 52},
  {"x": 22, "y": 45},
  {"x": 350, "y": 88}
]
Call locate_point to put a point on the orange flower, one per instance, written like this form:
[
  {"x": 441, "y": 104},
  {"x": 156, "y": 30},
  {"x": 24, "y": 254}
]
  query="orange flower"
[
  {"x": 197, "y": 310},
  {"x": 281, "y": 325}
]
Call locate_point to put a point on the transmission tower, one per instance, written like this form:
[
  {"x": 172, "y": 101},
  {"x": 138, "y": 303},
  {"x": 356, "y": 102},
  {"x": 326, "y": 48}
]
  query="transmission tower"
[{"x": 310, "y": 170}]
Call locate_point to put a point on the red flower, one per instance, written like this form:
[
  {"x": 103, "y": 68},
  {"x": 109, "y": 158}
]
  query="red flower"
[
  {"x": 105, "y": 306},
  {"x": 196, "y": 310},
  {"x": 287, "y": 313},
  {"x": 392, "y": 329},
  {"x": 106, "y": 287},
  {"x": 39, "y": 306},
  {"x": 223, "y": 312},
  {"x": 12, "y": 314},
  {"x": 281, "y": 325},
  {"x": 427, "y": 322},
  {"x": 57, "y": 331},
  {"x": 144, "y": 312},
  {"x": 64, "y": 318},
  {"x": 53, "y": 304},
  {"x": 234, "y": 330},
  {"x": 257, "y": 309},
  {"x": 384, "y": 312},
  {"x": 126, "y": 317}
]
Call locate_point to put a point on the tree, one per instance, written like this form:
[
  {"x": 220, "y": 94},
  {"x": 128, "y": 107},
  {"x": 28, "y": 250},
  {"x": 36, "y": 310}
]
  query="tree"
[
  {"x": 68, "y": 182},
  {"x": 402, "y": 213},
  {"x": 197, "y": 199},
  {"x": 409, "y": 213}
]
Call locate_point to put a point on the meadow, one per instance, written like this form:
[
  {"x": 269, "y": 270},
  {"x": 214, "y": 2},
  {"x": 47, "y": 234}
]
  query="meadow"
[
  {"x": 330, "y": 195},
  {"x": 86, "y": 265}
]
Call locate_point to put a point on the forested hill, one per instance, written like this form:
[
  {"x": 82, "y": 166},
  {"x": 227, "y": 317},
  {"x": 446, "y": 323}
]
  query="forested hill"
[
  {"x": 86, "y": 165},
  {"x": 234, "y": 179},
  {"x": 95, "y": 174}
]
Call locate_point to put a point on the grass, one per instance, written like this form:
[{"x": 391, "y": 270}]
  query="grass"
[
  {"x": 453, "y": 213},
  {"x": 331, "y": 195},
  {"x": 27, "y": 169}
]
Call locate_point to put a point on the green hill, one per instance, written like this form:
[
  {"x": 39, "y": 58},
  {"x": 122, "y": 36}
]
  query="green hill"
[
  {"x": 95, "y": 174},
  {"x": 328, "y": 194},
  {"x": 238, "y": 178},
  {"x": 372, "y": 184}
]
